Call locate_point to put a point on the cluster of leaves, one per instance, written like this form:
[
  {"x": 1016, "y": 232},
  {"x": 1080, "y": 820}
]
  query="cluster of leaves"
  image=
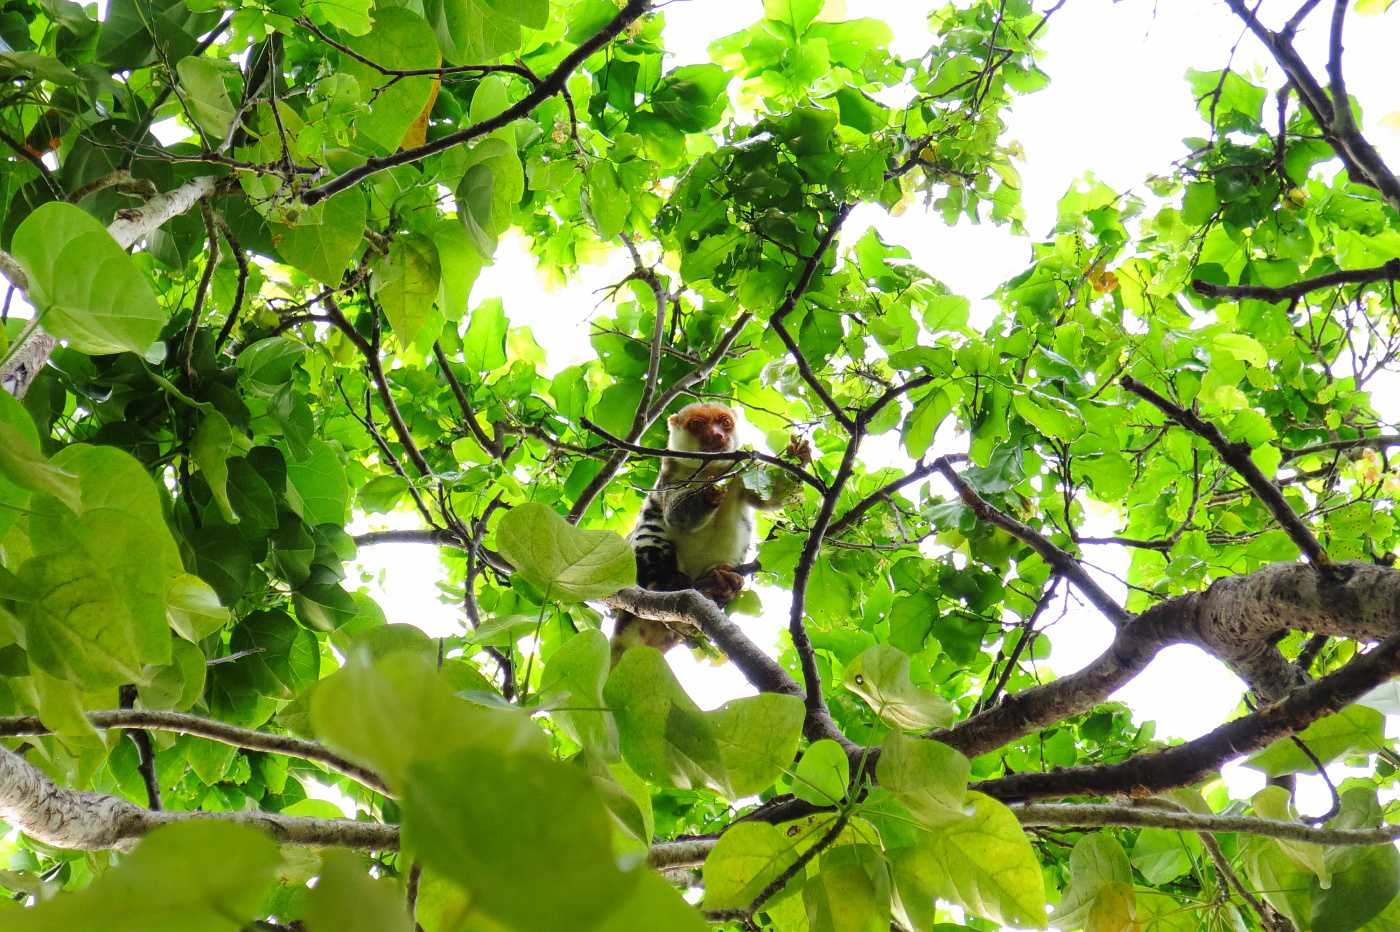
[{"x": 302, "y": 346}]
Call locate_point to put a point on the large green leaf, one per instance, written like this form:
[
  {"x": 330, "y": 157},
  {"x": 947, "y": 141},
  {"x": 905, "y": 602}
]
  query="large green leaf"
[
  {"x": 564, "y": 561},
  {"x": 84, "y": 286},
  {"x": 347, "y": 899},
  {"x": 406, "y": 284},
  {"x": 738, "y": 749},
  {"x": 984, "y": 863},
  {"x": 1353, "y": 728},
  {"x": 324, "y": 238},
  {"x": 929, "y": 778},
  {"x": 187, "y": 877},
  {"x": 400, "y": 39}
]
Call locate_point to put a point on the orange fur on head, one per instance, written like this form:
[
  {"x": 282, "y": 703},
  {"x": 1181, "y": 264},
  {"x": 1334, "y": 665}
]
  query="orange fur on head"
[{"x": 705, "y": 426}]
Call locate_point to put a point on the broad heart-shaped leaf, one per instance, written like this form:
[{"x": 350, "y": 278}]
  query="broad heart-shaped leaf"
[
  {"x": 266, "y": 366},
  {"x": 654, "y": 904},
  {"x": 929, "y": 778},
  {"x": 470, "y": 31},
  {"x": 94, "y": 590},
  {"x": 491, "y": 186},
  {"x": 738, "y": 749},
  {"x": 850, "y": 890},
  {"x": 202, "y": 81},
  {"x": 83, "y": 285},
  {"x": 324, "y": 237},
  {"x": 406, "y": 284},
  {"x": 400, "y": 39},
  {"x": 880, "y": 676},
  {"x": 692, "y": 98},
  {"x": 1354, "y": 728},
  {"x": 485, "y": 820},
  {"x": 984, "y": 863},
  {"x": 573, "y": 681},
  {"x": 398, "y": 710},
  {"x": 822, "y": 774},
  {"x": 1097, "y": 864},
  {"x": 347, "y": 899},
  {"x": 317, "y": 487},
  {"x": 23, "y": 468},
  {"x": 564, "y": 561},
  {"x": 1364, "y": 882},
  {"x": 198, "y": 876},
  {"x": 192, "y": 607},
  {"x": 751, "y": 855}
]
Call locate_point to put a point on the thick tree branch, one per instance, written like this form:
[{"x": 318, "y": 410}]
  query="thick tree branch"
[
  {"x": 1363, "y": 163},
  {"x": 551, "y": 84},
  {"x": 1091, "y": 814},
  {"x": 1237, "y": 456},
  {"x": 77, "y": 820},
  {"x": 1390, "y": 271},
  {"x": 1193, "y": 761}
]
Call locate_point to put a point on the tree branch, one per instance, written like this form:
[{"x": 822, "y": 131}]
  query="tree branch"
[
  {"x": 1390, "y": 271},
  {"x": 551, "y": 84},
  {"x": 184, "y": 724},
  {"x": 1188, "y": 763},
  {"x": 1237, "y": 456},
  {"x": 1062, "y": 561}
]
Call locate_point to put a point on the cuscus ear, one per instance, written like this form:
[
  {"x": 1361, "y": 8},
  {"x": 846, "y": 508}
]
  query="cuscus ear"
[{"x": 674, "y": 419}]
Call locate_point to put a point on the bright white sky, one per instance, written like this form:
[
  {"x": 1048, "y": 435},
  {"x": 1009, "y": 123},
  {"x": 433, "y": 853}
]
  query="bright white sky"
[{"x": 1117, "y": 107}]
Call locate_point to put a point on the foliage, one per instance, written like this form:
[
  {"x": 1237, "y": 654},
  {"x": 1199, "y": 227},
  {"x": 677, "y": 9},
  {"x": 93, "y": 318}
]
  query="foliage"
[{"x": 298, "y": 346}]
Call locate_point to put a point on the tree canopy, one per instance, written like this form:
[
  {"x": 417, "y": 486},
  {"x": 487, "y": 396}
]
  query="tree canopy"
[{"x": 249, "y": 233}]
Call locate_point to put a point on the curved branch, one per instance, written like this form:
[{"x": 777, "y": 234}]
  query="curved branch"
[
  {"x": 1237, "y": 456},
  {"x": 1390, "y": 271},
  {"x": 185, "y": 724},
  {"x": 1093, "y": 814},
  {"x": 1193, "y": 761},
  {"x": 83, "y": 821},
  {"x": 1061, "y": 560},
  {"x": 551, "y": 84}
]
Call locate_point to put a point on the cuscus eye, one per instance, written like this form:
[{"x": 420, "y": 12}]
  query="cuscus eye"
[
  {"x": 695, "y": 425},
  {"x": 727, "y": 423}
]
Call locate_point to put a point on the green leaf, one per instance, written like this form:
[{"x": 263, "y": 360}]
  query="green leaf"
[
  {"x": 483, "y": 818},
  {"x": 880, "y": 676},
  {"x": 471, "y": 31},
  {"x": 484, "y": 346},
  {"x": 24, "y": 466},
  {"x": 267, "y": 365},
  {"x": 202, "y": 81},
  {"x": 922, "y": 423},
  {"x": 347, "y": 899},
  {"x": 1242, "y": 347},
  {"x": 406, "y": 284},
  {"x": 400, "y": 39},
  {"x": 1097, "y": 865},
  {"x": 822, "y": 774},
  {"x": 192, "y": 607},
  {"x": 573, "y": 682},
  {"x": 738, "y": 749},
  {"x": 317, "y": 487},
  {"x": 984, "y": 863},
  {"x": 562, "y": 560},
  {"x": 929, "y": 778},
  {"x": 325, "y": 237},
  {"x": 349, "y": 15},
  {"x": 1162, "y": 856},
  {"x": 84, "y": 286},
  {"x": 1353, "y": 728},
  {"x": 1364, "y": 882},
  {"x": 210, "y": 447},
  {"x": 692, "y": 98},
  {"x": 797, "y": 14},
  {"x": 397, "y": 711},
  {"x": 188, "y": 877}
]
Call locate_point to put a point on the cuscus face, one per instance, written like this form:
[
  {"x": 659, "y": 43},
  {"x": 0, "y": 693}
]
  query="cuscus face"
[{"x": 706, "y": 427}]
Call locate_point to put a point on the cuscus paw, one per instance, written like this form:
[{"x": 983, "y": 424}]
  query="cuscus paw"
[
  {"x": 799, "y": 449},
  {"x": 721, "y": 584}
]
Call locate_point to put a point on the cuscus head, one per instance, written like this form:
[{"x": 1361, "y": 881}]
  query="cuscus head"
[{"x": 706, "y": 426}]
